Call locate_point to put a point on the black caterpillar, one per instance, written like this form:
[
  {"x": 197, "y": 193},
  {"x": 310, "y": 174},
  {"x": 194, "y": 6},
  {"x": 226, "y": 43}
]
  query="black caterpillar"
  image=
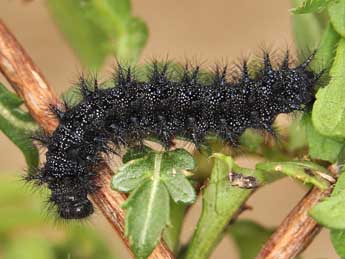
[{"x": 162, "y": 107}]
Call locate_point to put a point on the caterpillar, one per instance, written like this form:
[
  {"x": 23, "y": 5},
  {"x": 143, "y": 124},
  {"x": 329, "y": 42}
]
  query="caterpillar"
[{"x": 162, "y": 107}]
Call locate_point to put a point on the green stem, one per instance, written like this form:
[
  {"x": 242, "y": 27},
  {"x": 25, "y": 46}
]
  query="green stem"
[{"x": 221, "y": 201}]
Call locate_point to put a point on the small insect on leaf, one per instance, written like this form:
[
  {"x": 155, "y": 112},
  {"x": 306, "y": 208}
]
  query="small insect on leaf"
[{"x": 241, "y": 181}]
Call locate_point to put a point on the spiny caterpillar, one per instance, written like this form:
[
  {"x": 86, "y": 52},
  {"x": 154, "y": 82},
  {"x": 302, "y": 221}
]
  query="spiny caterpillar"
[{"x": 162, "y": 107}]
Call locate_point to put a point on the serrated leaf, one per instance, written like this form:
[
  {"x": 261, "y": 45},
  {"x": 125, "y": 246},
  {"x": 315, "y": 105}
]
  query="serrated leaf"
[
  {"x": 96, "y": 29},
  {"x": 249, "y": 237},
  {"x": 338, "y": 241},
  {"x": 328, "y": 114},
  {"x": 321, "y": 147},
  {"x": 179, "y": 187},
  {"x": 336, "y": 11},
  {"x": 172, "y": 165},
  {"x": 133, "y": 173},
  {"x": 303, "y": 171},
  {"x": 154, "y": 176},
  {"x": 17, "y": 125},
  {"x": 310, "y": 6},
  {"x": 179, "y": 159},
  {"x": 147, "y": 215}
]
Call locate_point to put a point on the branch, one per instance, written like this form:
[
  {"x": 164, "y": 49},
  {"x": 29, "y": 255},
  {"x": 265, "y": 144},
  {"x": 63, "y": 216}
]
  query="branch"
[
  {"x": 29, "y": 83},
  {"x": 297, "y": 230}
]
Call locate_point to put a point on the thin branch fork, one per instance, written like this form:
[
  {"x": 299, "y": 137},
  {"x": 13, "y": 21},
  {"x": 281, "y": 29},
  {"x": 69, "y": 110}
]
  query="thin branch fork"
[{"x": 29, "y": 83}]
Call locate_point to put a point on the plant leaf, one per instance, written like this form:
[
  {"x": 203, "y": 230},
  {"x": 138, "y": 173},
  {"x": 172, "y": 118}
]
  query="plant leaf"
[
  {"x": 249, "y": 236},
  {"x": 17, "y": 125},
  {"x": 96, "y": 29},
  {"x": 336, "y": 11},
  {"x": 321, "y": 147},
  {"x": 179, "y": 187},
  {"x": 251, "y": 139},
  {"x": 135, "y": 153},
  {"x": 331, "y": 211},
  {"x": 178, "y": 159},
  {"x": 220, "y": 202},
  {"x": 297, "y": 136},
  {"x": 171, "y": 234},
  {"x": 304, "y": 171},
  {"x": 132, "y": 174},
  {"x": 310, "y": 6},
  {"x": 325, "y": 53},
  {"x": 147, "y": 215},
  {"x": 307, "y": 28},
  {"x": 88, "y": 41},
  {"x": 328, "y": 114},
  {"x": 153, "y": 176},
  {"x": 338, "y": 241}
]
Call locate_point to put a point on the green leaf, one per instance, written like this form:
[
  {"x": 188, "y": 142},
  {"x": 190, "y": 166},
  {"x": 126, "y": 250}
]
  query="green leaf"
[
  {"x": 135, "y": 153},
  {"x": 338, "y": 241},
  {"x": 17, "y": 125},
  {"x": 153, "y": 175},
  {"x": 178, "y": 159},
  {"x": 251, "y": 139},
  {"x": 171, "y": 234},
  {"x": 297, "y": 136},
  {"x": 132, "y": 174},
  {"x": 325, "y": 53},
  {"x": 340, "y": 185},
  {"x": 310, "y": 6},
  {"x": 321, "y": 147},
  {"x": 88, "y": 41},
  {"x": 249, "y": 237},
  {"x": 336, "y": 11},
  {"x": 307, "y": 28},
  {"x": 220, "y": 202},
  {"x": 304, "y": 171},
  {"x": 96, "y": 29},
  {"x": 179, "y": 187},
  {"x": 328, "y": 114},
  {"x": 173, "y": 165},
  {"x": 331, "y": 211},
  {"x": 132, "y": 43},
  {"x": 147, "y": 215}
]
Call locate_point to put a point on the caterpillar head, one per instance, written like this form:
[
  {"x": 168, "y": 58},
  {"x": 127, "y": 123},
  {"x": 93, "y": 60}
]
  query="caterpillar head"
[{"x": 69, "y": 196}]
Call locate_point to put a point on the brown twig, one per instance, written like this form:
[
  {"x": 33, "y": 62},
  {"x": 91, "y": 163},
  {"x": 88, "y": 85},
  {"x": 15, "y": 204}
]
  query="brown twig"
[
  {"x": 29, "y": 83},
  {"x": 297, "y": 230}
]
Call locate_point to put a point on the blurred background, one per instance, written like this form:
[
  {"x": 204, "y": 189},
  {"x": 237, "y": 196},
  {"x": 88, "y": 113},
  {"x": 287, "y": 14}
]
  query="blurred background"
[{"x": 207, "y": 31}]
